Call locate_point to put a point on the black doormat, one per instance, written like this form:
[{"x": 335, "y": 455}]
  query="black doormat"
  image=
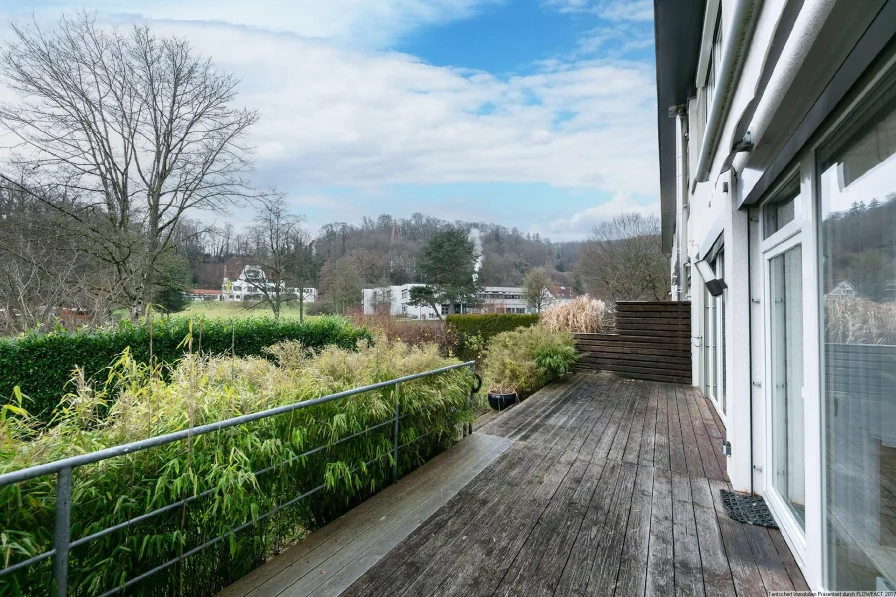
[{"x": 750, "y": 509}]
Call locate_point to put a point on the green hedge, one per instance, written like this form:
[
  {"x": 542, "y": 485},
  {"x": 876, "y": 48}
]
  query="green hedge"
[
  {"x": 41, "y": 364},
  {"x": 476, "y": 330}
]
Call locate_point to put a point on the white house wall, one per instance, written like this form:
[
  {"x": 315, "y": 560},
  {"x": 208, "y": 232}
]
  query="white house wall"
[{"x": 712, "y": 212}]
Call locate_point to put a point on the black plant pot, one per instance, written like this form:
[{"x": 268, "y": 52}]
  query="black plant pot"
[{"x": 501, "y": 401}]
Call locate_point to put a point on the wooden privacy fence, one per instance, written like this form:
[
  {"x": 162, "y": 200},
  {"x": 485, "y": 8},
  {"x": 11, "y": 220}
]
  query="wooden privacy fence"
[{"x": 652, "y": 342}]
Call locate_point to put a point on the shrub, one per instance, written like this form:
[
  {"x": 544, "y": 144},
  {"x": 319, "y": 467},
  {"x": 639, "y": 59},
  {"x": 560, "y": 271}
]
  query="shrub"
[
  {"x": 583, "y": 315},
  {"x": 526, "y": 359},
  {"x": 475, "y": 331},
  {"x": 42, "y": 364},
  {"x": 413, "y": 332},
  {"x": 320, "y": 308},
  {"x": 218, "y": 469}
]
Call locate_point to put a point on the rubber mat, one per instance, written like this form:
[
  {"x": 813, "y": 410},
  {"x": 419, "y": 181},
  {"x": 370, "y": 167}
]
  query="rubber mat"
[{"x": 750, "y": 509}]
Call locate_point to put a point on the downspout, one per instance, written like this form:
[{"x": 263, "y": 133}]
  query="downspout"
[
  {"x": 799, "y": 42},
  {"x": 736, "y": 41},
  {"x": 750, "y": 342},
  {"x": 682, "y": 199}
]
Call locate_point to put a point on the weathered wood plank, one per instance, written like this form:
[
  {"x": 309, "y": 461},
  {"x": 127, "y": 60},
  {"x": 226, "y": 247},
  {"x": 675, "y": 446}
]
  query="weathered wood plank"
[
  {"x": 677, "y": 461},
  {"x": 744, "y": 571},
  {"x": 616, "y": 433},
  {"x": 608, "y": 555},
  {"x": 636, "y": 434},
  {"x": 404, "y": 562},
  {"x": 708, "y": 448},
  {"x": 634, "y": 340},
  {"x": 357, "y": 564},
  {"x": 632, "y": 578},
  {"x": 517, "y": 419},
  {"x": 717, "y": 579},
  {"x": 632, "y": 354},
  {"x": 623, "y": 363},
  {"x": 607, "y": 406},
  {"x": 661, "y": 438},
  {"x": 544, "y": 580},
  {"x": 689, "y": 441},
  {"x": 577, "y": 572},
  {"x": 315, "y": 567},
  {"x": 793, "y": 569},
  {"x": 646, "y": 457},
  {"x": 520, "y": 572},
  {"x": 660, "y": 554},
  {"x": 774, "y": 576},
  {"x": 688, "y": 568},
  {"x": 458, "y": 567},
  {"x": 640, "y": 376}
]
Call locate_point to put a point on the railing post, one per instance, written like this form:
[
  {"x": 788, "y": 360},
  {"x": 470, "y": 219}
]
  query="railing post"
[
  {"x": 62, "y": 530},
  {"x": 468, "y": 427},
  {"x": 395, "y": 435}
]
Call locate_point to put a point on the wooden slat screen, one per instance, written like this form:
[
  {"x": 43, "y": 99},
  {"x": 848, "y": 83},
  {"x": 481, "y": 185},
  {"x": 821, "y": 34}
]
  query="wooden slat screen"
[{"x": 652, "y": 342}]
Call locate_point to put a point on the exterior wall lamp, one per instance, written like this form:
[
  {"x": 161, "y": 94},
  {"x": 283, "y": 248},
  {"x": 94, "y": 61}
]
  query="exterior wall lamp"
[{"x": 715, "y": 286}]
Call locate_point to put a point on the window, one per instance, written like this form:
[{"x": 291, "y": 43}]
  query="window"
[
  {"x": 780, "y": 210},
  {"x": 718, "y": 267},
  {"x": 857, "y": 245},
  {"x": 786, "y": 342}
]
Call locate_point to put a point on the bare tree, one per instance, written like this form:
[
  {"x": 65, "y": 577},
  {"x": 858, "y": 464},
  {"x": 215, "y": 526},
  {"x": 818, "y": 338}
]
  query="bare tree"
[
  {"x": 536, "y": 288},
  {"x": 623, "y": 259},
  {"x": 275, "y": 231},
  {"x": 301, "y": 269},
  {"x": 340, "y": 283},
  {"x": 45, "y": 278},
  {"x": 130, "y": 129}
]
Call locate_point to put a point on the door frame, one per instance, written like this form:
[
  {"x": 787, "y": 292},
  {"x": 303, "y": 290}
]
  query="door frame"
[{"x": 793, "y": 237}]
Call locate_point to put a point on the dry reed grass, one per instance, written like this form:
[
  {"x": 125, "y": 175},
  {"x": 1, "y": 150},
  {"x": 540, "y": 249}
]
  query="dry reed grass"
[
  {"x": 584, "y": 315},
  {"x": 855, "y": 320}
]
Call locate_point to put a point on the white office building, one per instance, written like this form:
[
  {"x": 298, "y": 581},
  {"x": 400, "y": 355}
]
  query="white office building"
[{"x": 492, "y": 299}]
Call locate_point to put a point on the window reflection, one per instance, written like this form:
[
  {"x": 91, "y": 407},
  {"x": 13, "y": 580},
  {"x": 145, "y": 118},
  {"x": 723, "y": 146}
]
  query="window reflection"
[{"x": 858, "y": 244}]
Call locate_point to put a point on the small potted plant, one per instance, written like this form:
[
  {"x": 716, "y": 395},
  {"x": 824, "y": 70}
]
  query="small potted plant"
[{"x": 502, "y": 396}]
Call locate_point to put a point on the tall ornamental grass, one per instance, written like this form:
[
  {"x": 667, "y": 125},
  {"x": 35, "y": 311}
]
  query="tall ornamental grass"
[
  {"x": 235, "y": 475},
  {"x": 583, "y": 314}
]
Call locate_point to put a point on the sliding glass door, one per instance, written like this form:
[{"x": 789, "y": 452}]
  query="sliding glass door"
[
  {"x": 785, "y": 300},
  {"x": 857, "y": 238}
]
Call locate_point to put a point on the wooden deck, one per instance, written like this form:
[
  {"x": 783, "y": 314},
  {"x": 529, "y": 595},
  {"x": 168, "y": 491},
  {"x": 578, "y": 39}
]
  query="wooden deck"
[{"x": 609, "y": 487}]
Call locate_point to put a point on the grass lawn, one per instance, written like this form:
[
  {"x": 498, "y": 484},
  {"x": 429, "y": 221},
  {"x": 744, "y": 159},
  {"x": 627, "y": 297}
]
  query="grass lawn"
[{"x": 227, "y": 310}]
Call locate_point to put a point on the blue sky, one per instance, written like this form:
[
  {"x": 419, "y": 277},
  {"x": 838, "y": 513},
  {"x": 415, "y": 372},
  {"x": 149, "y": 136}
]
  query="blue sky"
[{"x": 538, "y": 114}]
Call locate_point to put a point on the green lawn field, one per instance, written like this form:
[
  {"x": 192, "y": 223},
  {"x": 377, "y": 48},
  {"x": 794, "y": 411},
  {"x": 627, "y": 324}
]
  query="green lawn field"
[{"x": 227, "y": 310}]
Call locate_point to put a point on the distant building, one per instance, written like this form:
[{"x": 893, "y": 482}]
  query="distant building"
[
  {"x": 202, "y": 294},
  {"x": 247, "y": 282},
  {"x": 492, "y": 299},
  {"x": 561, "y": 295}
]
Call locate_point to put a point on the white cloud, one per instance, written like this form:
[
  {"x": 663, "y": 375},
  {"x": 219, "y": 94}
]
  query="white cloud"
[
  {"x": 611, "y": 10},
  {"x": 332, "y": 116},
  {"x": 356, "y": 23},
  {"x": 579, "y": 225}
]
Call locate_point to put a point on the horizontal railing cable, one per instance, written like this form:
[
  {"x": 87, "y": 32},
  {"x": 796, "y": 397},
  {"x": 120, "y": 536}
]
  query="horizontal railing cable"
[
  {"x": 63, "y": 469},
  {"x": 74, "y": 461}
]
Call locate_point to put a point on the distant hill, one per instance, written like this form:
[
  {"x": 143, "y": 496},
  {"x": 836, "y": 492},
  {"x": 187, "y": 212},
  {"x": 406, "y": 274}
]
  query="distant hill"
[{"x": 389, "y": 248}]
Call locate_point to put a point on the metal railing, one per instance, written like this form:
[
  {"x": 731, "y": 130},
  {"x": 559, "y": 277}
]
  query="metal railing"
[{"x": 62, "y": 543}]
